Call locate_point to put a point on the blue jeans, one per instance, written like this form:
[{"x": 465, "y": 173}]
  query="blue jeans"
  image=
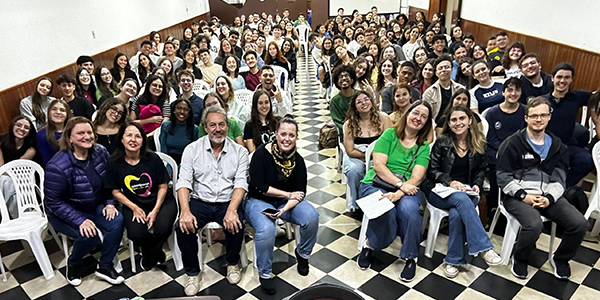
[
  {"x": 205, "y": 213},
  {"x": 464, "y": 227},
  {"x": 354, "y": 169},
  {"x": 112, "y": 231},
  {"x": 303, "y": 214},
  {"x": 403, "y": 220}
]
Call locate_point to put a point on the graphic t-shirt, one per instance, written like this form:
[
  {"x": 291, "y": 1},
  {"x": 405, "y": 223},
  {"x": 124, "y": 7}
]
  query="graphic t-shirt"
[
  {"x": 139, "y": 183},
  {"x": 266, "y": 134}
]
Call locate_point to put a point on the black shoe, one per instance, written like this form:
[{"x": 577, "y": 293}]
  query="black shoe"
[
  {"x": 409, "y": 271},
  {"x": 161, "y": 257},
  {"x": 146, "y": 263},
  {"x": 562, "y": 270},
  {"x": 267, "y": 285},
  {"x": 73, "y": 275},
  {"x": 518, "y": 269},
  {"x": 302, "y": 264},
  {"x": 109, "y": 274},
  {"x": 364, "y": 259}
]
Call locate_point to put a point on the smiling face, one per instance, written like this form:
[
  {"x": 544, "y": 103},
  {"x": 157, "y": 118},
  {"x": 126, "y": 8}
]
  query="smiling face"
[
  {"x": 461, "y": 99},
  {"x": 457, "y": 32},
  {"x": 166, "y": 66},
  {"x": 286, "y": 137},
  {"x": 84, "y": 77},
  {"x": 417, "y": 118},
  {"x": 205, "y": 58},
  {"x": 481, "y": 72},
  {"x": 132, "y": 139},
  {"x": 374, "y": 50},
  {"x": 222, "y": 87},
  {"x": 286, "y": 46},
  {"x": 407, "y": 74},
  {"x": 182, "y": 111},
  {"x": 512, "y": 94},
  {"x": 387, "y": 68},
  {"x": 344, "y": 80},
  {"x": 402, "y": 97},
  {"x": 460, "y": 53},
  {"x": 226, "y": 46},
  {"x": 341, "y": 52},
  {"x": 144, "y": 61},
  {"x": 21, "y": 129},
  {"x": 439, "y": 45},
  {"x": 122, "y": 61},
  {"x": 216, "y": 127},
  {"x": 231, "y": 64},
  {"x": 67, "y": 89},
  {"x": 82, "y": 136},
  {"x": 263, "y": 105},
  {"x": 106, "y": 76},
  {"x": 363, "y": 103},
  {"x": 427, "y": 71},
  {"x": 538, "y": 117},
  {"x": 389, "y": 52},
  {"x": 273, "y": 50},
  {"x": 530, "y": 67},
  {"x": 114, "y": 113},
  {"x": 515, "y": 54},
  {"x": 187, "y": 33},
  {"x": 459, "y": 122},
  {"x": 190, "y": 57},
  {"x": 562, "y": 80},
  {"x": 156, "y": 87},
  {"x": 478, "y": 53},
  {"x": 129, "y": 88},
  {"x": 465, "y": 68},
  {"x": 443, "y": 70},
  {"x": 420, "y": 56},
  {"x": 361, "y": 69}
]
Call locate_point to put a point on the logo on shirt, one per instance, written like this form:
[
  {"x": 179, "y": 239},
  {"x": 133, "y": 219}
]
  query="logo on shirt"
[
  {"x": 498, "y": 125},
  {"x": 528, "y": 156},
  {"x": 139, "y": 185}
]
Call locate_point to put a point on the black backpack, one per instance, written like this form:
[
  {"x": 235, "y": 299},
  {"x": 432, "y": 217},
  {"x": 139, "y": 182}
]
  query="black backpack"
[{"x": 576, "y": 196}]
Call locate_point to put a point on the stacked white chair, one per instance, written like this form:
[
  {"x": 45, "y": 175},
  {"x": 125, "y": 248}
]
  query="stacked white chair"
[
  {"x": 365, "y": 221},
  {"x": 594, "y": 207}
]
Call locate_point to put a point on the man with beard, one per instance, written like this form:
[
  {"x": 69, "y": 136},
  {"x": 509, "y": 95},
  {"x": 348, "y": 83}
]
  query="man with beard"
[
  {"x": 534, "y": 82},
  {"x": 210, "y": 160},
  {"x": 252, "y": 77},
  {"x": 344, "y": 78},
  {"x": 279, "y": 100}
]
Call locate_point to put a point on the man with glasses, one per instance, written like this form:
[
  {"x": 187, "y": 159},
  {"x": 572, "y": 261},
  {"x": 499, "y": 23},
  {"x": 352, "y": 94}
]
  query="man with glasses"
[
  {"x": 534, "y": 82},
  {"x": 344, "y": 78},
  {"x": 369, "y": 39},
  {"x": 531, "y": 171},
  {"x": 440, "y": 93},
  {"x": 186, "y": 83}
]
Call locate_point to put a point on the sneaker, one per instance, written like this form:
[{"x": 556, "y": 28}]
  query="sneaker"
[
  {"x": 109, "y": 274},
  {"x": 267, "y": 286},
  {"x": 161, "y": 257},
  {"x": 234, "y": 274},
  {"x": 409, "y": 271},
  {"x": 364, "y": 259},
  {"x": 562, "y": 270},
  {"x": 302, "y": 263},
  {"x": 518, "y": 269},
  {"x": 192, "y": 284},
  {"x": 491, "y": 257},
  {"x": 450, "y": 271},
  {"x": 73, "y": 276}
]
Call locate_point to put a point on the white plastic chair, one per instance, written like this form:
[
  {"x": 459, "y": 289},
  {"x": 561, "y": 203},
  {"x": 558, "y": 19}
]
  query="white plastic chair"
[
  {"x": 362, "y": 237},
  {"x": 200, "y": 85},
  {"x": 281, "y": 77},
  {"x": 594, "y": 196},
  {"x": 32, "y": 219},
  {"x": 244, "y": 96},
  {"x": 303, "y": 32},
  {"x": 512, "y": 229},
  {"x": 172, "y": 241},
  {"x": 201, "y": 93},
  {"x": 484, "y": 125},
  {"x": 156, "y": 137},
  {"x": 215, "y": 225},
  {"x": 65, "y": 248}
]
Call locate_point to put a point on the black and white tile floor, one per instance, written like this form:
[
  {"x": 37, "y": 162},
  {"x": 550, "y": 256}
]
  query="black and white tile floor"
[{"x": 333, "y": 259}]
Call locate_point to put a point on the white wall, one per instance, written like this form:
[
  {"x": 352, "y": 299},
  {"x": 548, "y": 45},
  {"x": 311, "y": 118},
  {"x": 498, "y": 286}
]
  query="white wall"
[
  {"x": 574, "y": 23},
  {"x": 423, "y": 4},
  {"x": 41, "y": 36},
  {"x": 383, "y": 6}
]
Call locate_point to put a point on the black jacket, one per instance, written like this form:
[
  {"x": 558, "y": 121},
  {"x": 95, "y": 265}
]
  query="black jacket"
[{"x": 442, "y": 160}]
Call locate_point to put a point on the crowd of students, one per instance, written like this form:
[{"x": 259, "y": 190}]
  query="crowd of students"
[{"x": 403, "y": 84}]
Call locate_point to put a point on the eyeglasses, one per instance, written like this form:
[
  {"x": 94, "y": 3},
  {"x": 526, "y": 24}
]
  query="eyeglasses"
[
  {"x": 416, "y": 113},
  {"x": 182, "y": 108},
  {"x": 185, "y": 80},
  {"x": 440, "y": 68},
  {"x": 344, "y": 75},
  {"x": 116, "y": 111},
  {"x": 157, "y": 86},
  {"x": 540, "y": 116},
  {"x": 22, "y": 126},
  {"x": 363, "y": 100}
]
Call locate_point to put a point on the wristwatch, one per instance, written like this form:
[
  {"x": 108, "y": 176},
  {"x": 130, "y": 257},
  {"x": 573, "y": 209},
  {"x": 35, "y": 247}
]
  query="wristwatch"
[{"x": 399, "y": 183}]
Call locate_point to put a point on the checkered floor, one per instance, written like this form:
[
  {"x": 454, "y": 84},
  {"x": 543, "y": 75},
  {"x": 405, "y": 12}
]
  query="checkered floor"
[{"x": 333, "y": 259}]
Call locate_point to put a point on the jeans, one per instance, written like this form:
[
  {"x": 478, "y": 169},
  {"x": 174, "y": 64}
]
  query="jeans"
[
  {"x": 403, "y": 220},
  {"x": 205, "y": 213},
  {"x": 580, "y": 164},
  {"x": 561, "y": 212},
  {"x": 151, "y": 243},
  {"x": 303, "y": 214},
  {"x": 112, "y": 230},
  {"x": 354, "y": 169},
  {"x": 464, "y": 227}
]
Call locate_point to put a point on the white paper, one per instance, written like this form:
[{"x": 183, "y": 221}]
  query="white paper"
[
  {"x": 445, "y": 191},
  {"x": 373, "y": 207}
]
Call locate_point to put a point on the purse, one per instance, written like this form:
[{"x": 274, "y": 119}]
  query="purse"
[{"x": 378, "y": 182}]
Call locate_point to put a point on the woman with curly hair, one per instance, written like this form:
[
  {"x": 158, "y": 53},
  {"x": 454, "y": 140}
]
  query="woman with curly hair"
[
  {"x": 510, "y": 61},
  {"x": 363, "y": 125}
]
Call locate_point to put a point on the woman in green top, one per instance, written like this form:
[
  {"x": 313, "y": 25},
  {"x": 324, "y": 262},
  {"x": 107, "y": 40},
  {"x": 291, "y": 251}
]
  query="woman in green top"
[
  {"x": 400, "y": 158},
  {"x": 235, "y": 132}
]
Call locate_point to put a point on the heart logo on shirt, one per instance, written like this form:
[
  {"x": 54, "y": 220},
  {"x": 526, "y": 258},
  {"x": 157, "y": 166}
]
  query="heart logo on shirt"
[{"x": 139, "y": 185}]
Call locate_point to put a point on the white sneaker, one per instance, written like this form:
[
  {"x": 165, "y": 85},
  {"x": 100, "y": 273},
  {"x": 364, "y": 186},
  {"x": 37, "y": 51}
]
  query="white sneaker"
[
  {"x": 450, "y": 271},
  {"x": 234, "y": 274},
  {"x": 491, "y": 257},
  {"x": 192, "y": 285}
]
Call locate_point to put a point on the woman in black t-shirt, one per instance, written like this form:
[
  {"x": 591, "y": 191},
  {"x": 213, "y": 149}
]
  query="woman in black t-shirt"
[
  {"x": 261, "y": 127},
  {"x": 138, "y": 179}
]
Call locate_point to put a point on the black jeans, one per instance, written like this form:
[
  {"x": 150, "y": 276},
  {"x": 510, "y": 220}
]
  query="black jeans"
[
  {"x": 205, "y": 213},
  {"x": 151, "y": 243},
  {"x": 561, "y": 212}
]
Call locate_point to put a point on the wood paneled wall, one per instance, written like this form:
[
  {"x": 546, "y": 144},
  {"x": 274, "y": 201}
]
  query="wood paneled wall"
[
  {"x": 227, "y": 12},
  {"x": 412, "y": 12},
  {"x": 586, "y": 63},
  {"x": 11, "y": 97}
]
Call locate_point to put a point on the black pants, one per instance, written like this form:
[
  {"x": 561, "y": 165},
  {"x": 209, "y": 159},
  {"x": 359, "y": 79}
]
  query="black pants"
[
  {"x": 561, "y": 212},
  {"x": 151, "y": 243},
  {"x": 205, "y": 213}
]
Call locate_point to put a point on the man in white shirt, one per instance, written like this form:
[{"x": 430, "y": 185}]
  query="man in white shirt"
[
  {"x": 279, "y": 100},
  {"x": 212, "y": 183}
]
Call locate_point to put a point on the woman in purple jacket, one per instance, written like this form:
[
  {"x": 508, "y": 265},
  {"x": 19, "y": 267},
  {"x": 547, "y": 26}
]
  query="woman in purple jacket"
[{"x": 76, "y": 203}]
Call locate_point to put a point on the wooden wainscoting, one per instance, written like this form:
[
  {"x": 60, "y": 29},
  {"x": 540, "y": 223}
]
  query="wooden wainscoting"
[
  {"x": 586, "y": 63},
  {"x": 10, "y": 98}
]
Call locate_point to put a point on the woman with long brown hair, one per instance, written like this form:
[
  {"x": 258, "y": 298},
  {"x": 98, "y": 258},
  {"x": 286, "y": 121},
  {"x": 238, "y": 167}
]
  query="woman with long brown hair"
[
  {"x": 275, "y": 57},
  {"x": 59, "y": 113},
  {"x": 35, "y": 107}
]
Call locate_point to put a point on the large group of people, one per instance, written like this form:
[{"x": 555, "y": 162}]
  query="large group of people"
[{"x": 421, "y": 95}]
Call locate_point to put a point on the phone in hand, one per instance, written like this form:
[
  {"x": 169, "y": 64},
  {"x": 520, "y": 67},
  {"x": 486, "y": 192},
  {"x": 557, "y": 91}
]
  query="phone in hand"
[{"x": 271, "y": 212}]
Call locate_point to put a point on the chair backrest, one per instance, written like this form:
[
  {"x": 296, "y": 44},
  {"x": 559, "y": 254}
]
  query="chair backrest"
[
  {"x": 484, "y": 112},
  {"x": 303, "y": 31},
  {"x": 200, "y": 85},
  {"x": 584, "y": 115},
  {"x": 485, "y": 126},
  {"x": 25, "y": 175},
  {"x": 201, "y": 93},
  {"x": 169, "y": 162},
  {"x": 156, "y": 138},
  {"x": 368, "y": 155},
  {"x": 244, "y": 96},
  {"x": 281, "y": 77}
]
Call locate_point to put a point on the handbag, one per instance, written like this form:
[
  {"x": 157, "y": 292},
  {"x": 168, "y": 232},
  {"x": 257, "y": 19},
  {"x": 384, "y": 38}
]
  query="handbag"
[{"x": 378, "y": 182}]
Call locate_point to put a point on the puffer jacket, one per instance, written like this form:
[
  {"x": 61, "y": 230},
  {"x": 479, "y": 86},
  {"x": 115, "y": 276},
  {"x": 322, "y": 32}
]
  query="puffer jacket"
[
  {"x": 520, "y": 170},
  {"x": 68, "y": 192},
  {"x": 442, "y": 160}
]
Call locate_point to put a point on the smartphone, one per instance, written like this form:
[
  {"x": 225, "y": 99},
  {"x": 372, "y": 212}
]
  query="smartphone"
[{"x": 271, "y": 211}]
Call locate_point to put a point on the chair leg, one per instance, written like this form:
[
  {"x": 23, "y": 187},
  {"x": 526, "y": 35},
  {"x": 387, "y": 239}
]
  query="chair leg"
[
  {"x": 175, "y": 252},
  {"x": 426, "y": 216},
  {"x": 116, "y": 260},
  {"x": 39, "y": 251},
  {"x": 596, "y": 228},
  {"x": 297, "y": 234},
  {"x": 2, "y": 270},
  {"x": 55, "y": 237},
  {"x": 288, "y": 231},
  {"x": 494, "y": 221},
  {"x": 551, "y": 245},
  {"x": 510, "y": 236},
  {"x": 434, "y": 227},
  {"x": 65, "y": 247},
  {"x": 200, "y": 250},
  {"x": 243, "y": 255},
  {"x": 362, "y": 237},
  {"x": 132, "y": 256}
]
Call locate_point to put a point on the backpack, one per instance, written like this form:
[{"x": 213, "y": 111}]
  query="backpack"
[
  {"x": 576, "y": 196},
  {"x": 328, "y": 135}
]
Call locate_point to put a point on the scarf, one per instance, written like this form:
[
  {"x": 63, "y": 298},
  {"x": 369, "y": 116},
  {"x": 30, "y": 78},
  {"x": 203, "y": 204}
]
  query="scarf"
[{"x": 285, "y": 162}]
